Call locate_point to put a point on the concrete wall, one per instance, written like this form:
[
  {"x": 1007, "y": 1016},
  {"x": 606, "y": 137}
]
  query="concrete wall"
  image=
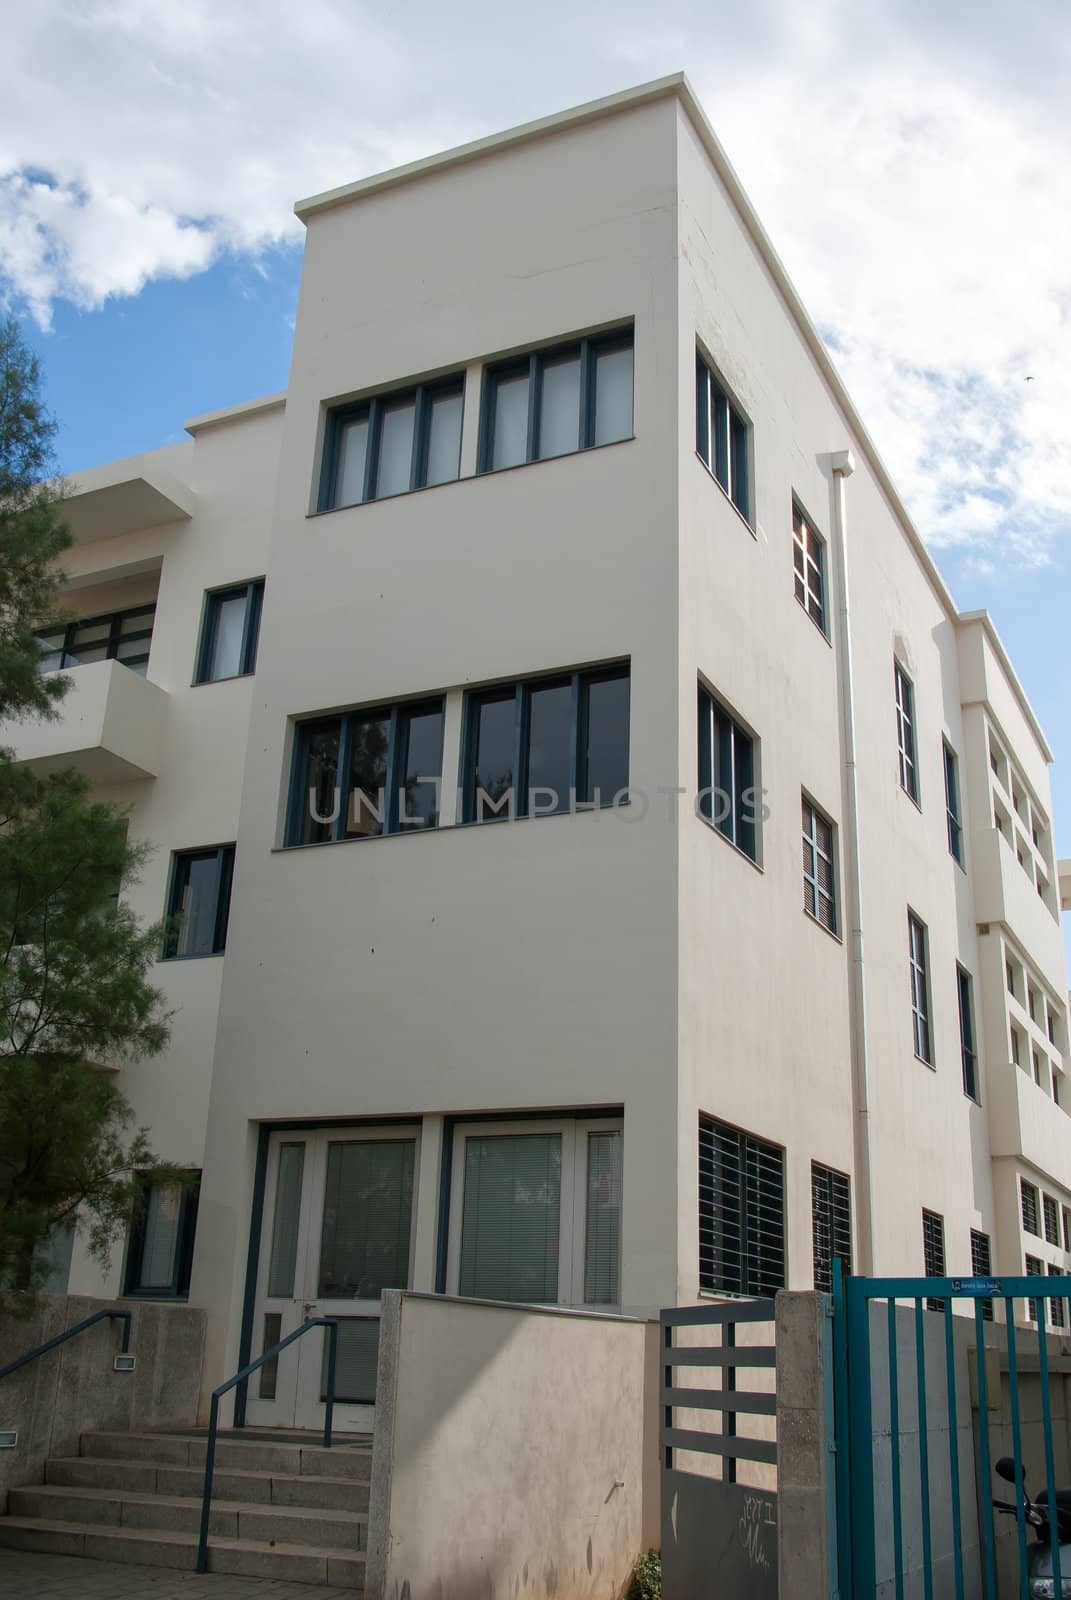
[
  {"x": 515, "y": 1452},
  {"x": 75, "y": 1389}
]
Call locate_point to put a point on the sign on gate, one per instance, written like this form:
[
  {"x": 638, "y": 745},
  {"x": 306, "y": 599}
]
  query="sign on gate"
[
  {"x": 719, "y": 1534},
  {"x": 952, "y": 1437}
]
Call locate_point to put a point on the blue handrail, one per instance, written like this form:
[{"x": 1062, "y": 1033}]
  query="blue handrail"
[
  {"x": 331, "y": 1324},
  {"x": 69, "y": 1333}
]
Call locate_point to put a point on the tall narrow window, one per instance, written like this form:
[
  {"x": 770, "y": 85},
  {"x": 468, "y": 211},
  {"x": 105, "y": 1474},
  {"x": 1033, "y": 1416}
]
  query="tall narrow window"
[
  {"x": 1028, "y": 1201},
  {"x": 1051, "y": 1213},
  {"x": 230, "y": 632},
  {"x": 602, "y": 1222},
  {"x": 955, "y": 825},
  {"x": 368, "y": 773},
  {"x": 741, "y": 1212},
  {"x": 1034, "y": 1269},
  {"x": 546, "y": 745},
  {"x": 920, "y": 989},
  {"x": 721, "y": 437},
  {"x": 199, "y": 902},
  {"x": 1057, "y": 1303},
  {"x": 406, "y": 439},
  {"x": 555, "y": 402},
  {"x": 966, "y": 1033},
  {"x": 982, "y": 1266},
  {"x": 809, "y": 562},
  {"x": 819, "y": 887},
  {"x": 905, "y": 733},
  {"x": 728, "y": 797},
  {"x": 160, "y": 1252},
  {"x": 933, "y": 1252},
  {"x": 831, "y": 1223}
]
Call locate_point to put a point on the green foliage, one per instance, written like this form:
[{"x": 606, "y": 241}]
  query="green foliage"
[
  {"x": 646, "y": 1580},
  {"x": 75, "y": 993},
  {"x": 75, "y": 1002},
  {"x": 32, "y": 533}
]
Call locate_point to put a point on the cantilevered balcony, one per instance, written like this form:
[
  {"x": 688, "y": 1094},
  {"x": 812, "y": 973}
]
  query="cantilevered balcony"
[
  {"x": 1004, "y": 893},
  {"x": 1026, "y": 1122},
  {"x": 109, "y": 727}
]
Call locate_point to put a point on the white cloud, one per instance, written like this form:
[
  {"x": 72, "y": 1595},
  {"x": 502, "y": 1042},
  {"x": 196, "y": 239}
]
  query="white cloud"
[{"x": 908, "y": 160}]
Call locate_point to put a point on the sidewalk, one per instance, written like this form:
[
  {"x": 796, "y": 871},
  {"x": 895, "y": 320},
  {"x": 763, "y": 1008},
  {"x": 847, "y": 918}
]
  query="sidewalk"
[{"x": 33, "y": 1577}]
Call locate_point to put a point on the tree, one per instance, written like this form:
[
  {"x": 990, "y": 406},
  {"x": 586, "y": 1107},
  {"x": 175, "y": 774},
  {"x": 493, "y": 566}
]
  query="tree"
[{"x": 75, "y": 993}]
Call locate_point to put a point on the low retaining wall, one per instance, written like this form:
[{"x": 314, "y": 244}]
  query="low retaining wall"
[
  {"x": 74, "y": 1389},
  {"x": 515, "y": 1451}
]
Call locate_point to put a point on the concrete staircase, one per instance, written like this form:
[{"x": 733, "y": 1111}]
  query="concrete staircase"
[{"x": 281, "y": 1508}]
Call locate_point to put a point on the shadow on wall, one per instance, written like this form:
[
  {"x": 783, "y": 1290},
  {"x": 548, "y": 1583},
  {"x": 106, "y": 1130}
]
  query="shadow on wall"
[
  {"x": 515, "y": 1451},
  {"x": 75, "y": 1389}
]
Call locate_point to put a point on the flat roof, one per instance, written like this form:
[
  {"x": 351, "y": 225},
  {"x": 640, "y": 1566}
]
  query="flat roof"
[
  {"x": 677, "y": 87},
  {"x": 244, "y": 408}
]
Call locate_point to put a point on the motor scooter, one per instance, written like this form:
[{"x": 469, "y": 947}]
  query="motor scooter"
[{"x": 1042, "y": 1584}]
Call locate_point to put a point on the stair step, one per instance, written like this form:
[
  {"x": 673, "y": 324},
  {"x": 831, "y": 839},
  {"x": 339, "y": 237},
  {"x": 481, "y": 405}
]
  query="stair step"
[
  {"x": 182, "y": 1514},
  {"x": 250, "y": 1455},
  {"x": 159, "y": 1548},
  {"x": 165, "y": 1478}
]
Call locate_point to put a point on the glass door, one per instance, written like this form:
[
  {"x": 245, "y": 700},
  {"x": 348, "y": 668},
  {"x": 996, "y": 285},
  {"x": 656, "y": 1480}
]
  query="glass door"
[{"x": 338, "y": 1227}]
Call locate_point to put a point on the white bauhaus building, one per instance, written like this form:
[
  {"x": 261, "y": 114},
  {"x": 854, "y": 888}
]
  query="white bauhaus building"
[{"x": 733, "y": 941}]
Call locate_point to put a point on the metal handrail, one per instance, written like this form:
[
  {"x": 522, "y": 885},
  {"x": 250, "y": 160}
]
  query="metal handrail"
[
  {"x": 69, "y": 1333},
  {"x": 331, "y": 1324}
]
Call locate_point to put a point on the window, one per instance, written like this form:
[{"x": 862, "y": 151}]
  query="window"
[
  {"x": 1057, "y": 1303},
  {"x": 538, "y": 1212},
  {"x": 406, "y": 439},
  {"x": 1016, "y": 1046},
  {"x": 121, "y": 636},
  {"x": 1028, "y": 1199},
  {"x": 1050, "y": 1022},
  {"x": 1051, "y": 1212},
  {"x": 368, "y": 773},
  {"x": 966, "y": 1034},
  {"x": 741, "y": 1212},
  {"x": 199, "y": 902},
  {"x": 831, "y": 1223},
  {"x": 728, "y": 797},
  {"x": 933, "y": 1252},
  {"x": 920, "y": 990},
  {"x": 955, "y": 826},
  {"x": 721, "y": 437},
  {"x": 819, "y": 892},
  {"x": 982, "y": 1266},
  {"x": 555, "y": 402},
  {"x": 160, "y": 1251},
  {"x": 809, "y": 560},
  {"x": 229, "y": 632},
  {"x": 1037, "y": 1067},
  {"x": 905, "y": 732},
  {"x": 1034, "y": 1269},
  {"x": 546, "y": 745},
  {"x": 1032, "y": 1002},
  {"x": 1057, "y": 1091},
  {"x": 1067, "y": 1228}
]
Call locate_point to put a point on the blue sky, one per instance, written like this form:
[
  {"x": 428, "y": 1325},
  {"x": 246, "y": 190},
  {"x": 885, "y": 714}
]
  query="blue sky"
[{"x": 908, "y": 160}]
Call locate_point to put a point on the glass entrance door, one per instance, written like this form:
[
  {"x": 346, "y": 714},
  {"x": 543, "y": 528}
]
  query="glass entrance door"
[{"x": 338, "y": 1229}]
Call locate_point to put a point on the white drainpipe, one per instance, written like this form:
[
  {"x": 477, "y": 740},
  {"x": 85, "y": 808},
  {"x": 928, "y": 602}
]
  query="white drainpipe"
[{"x": 842, "y": 465}]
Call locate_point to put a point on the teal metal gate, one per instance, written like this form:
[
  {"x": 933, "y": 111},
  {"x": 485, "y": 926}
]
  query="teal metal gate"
[{"x": 930, "y": 1378}]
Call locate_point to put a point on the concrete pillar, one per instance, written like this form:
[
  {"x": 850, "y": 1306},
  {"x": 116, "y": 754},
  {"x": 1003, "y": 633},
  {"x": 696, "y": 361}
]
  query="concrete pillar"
[{"x": 805, "y": 1482}]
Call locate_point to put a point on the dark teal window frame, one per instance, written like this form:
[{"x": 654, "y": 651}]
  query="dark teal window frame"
[
  {"x": 399, "y": 715},
  {"x": 728, "y": 764},
  {"x": 968, "y": 1047},
  {"x": 532, "y": 364},
  {"x": 372, "y": 408},
  {"x": 214, "y": 599},
  {"x": 67, "y": 635},
  {"x": 180, "y": 861},
  {"x": 580, "y": 682},
  {"x": 722, "y": 436},
  {"x": 179, "y": 1286},
  {"x": 952, "y": 811}
]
